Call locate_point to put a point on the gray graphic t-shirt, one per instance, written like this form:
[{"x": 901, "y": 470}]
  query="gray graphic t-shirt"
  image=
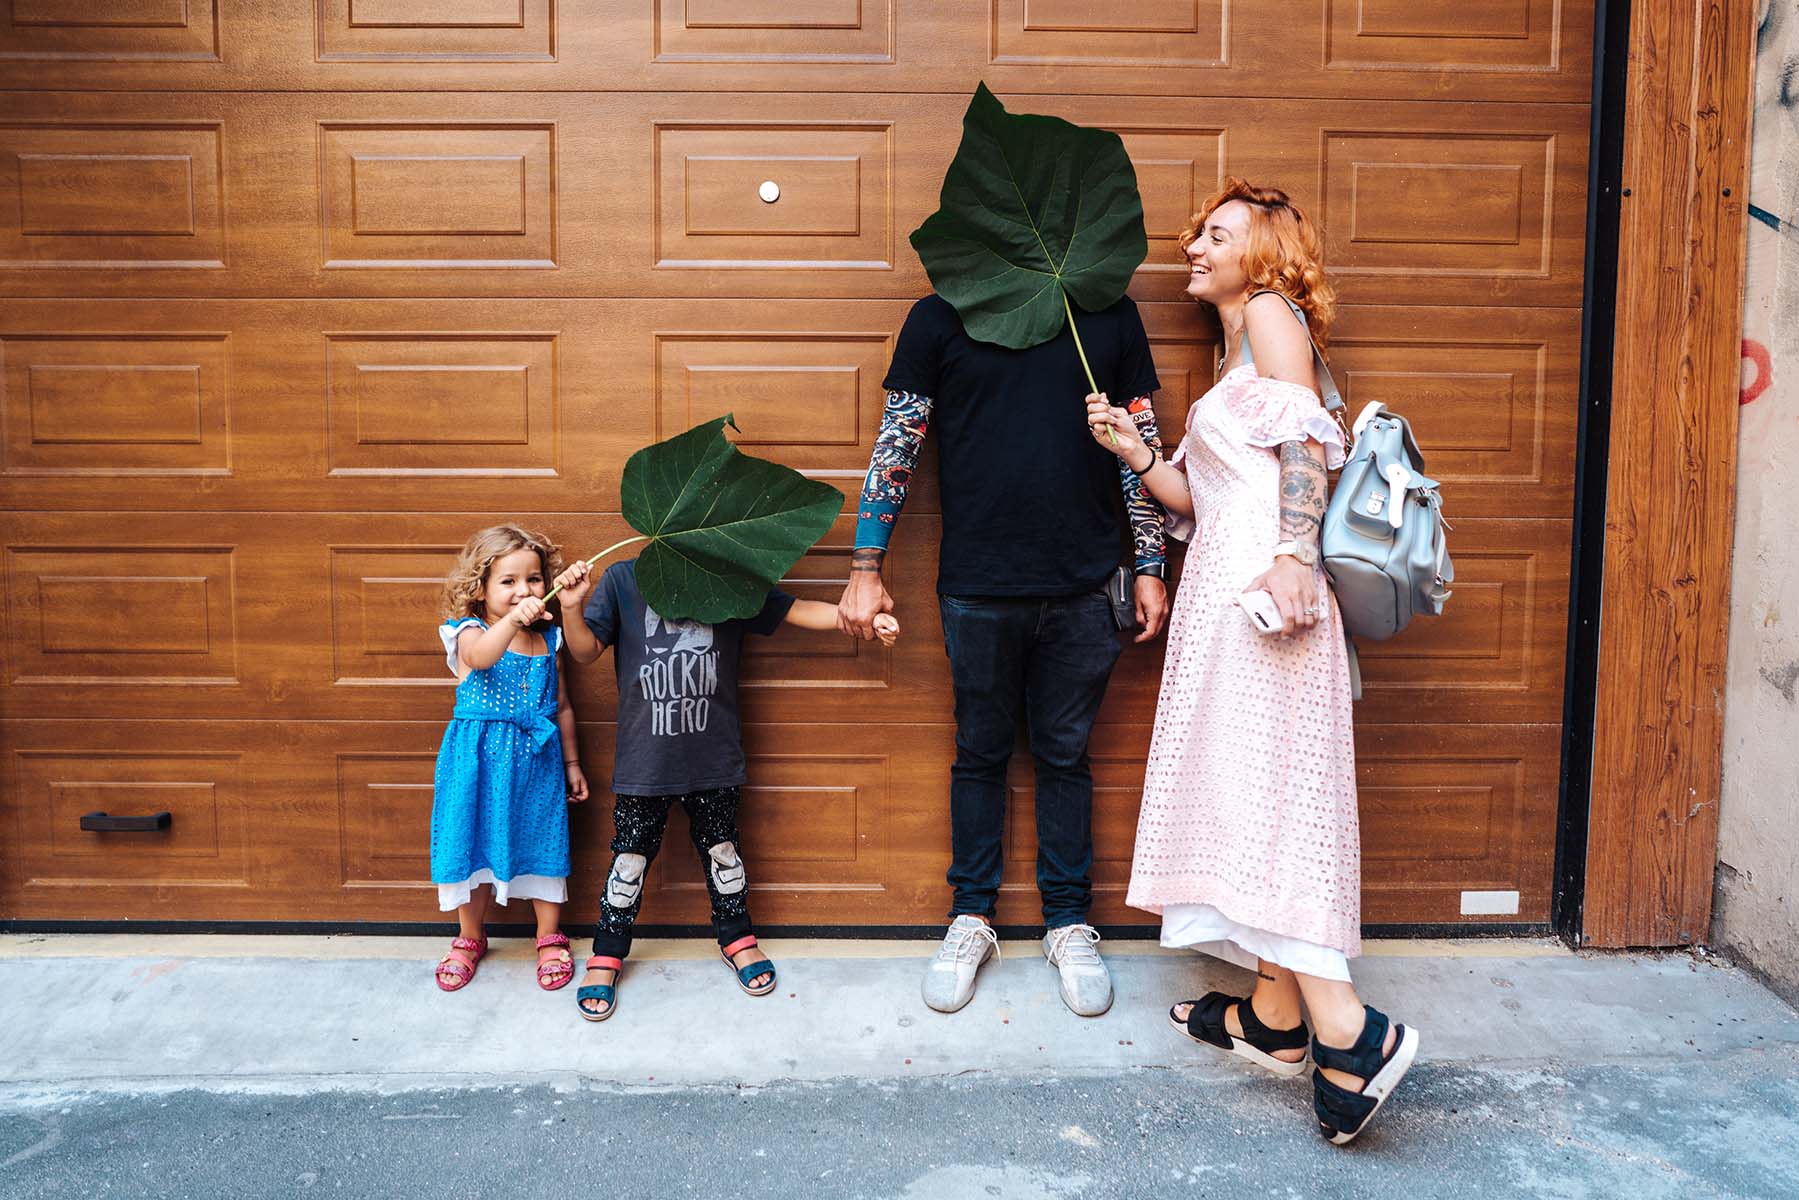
[{"x": 677, "y": 689}]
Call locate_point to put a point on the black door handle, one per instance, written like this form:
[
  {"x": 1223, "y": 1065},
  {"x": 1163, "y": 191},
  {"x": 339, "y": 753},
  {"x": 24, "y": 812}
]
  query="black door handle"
[{"x": 99, "y": 822}]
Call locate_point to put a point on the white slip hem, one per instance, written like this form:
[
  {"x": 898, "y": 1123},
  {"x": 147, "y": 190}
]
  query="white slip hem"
[
  {"x": 1204, "y": 928},
  {"x": 551, "y": 888}
]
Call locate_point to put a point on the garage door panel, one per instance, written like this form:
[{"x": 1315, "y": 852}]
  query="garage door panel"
[
  {"x": 1418, "y": 203},
  {"x": 205, "y": 843},
  {"x": 355, "y": 417},
  {"x": 1492, "y": 395},
  {"x": 247, "y": 830},
  {"x": 295, "y": 617},
  {"x": 839, "y": 824},
  {"x": 500, "y": 31},
  {"x": 1496, "y": 653},
  {"x": 293, "y": 405},
  {"x": 174, "y": 623},
  {"x": 1446, "y": 810},
  {"x": 1118, "y": 755},
  {"x": 52, "y": 41},
  {"x": 1458, "y": 822},
  {"x": 404, "y": 404},
  {"x": 329, "y": 193},
  {"x": 1491, "y": 35},
  {"x": 113, "y": 195},
  {"x": 803, "y": 379},
  {"x": 114, "y": 613},
  {"x": 387, "y": 271},
  {"x": 795, "y": 674},
  {"x": 1495, "y": 50},
  {"x": 777, "y": 199},
  {"x": 1185, "y": 344},
  {"x": 376, "y": 856},
  {"x": 439, "y": 194},
  {"x": 80, "y": 406},
  {"x": 333, "y": 617},
  {"x": 472, "y": 194},
  {"x": 650, "y": 195},
  {"x": 1508, "y": 49}
]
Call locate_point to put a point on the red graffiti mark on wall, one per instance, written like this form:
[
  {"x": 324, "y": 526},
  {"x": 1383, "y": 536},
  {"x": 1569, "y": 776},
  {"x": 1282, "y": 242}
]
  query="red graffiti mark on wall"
[{"x": 1757, "y": 355}]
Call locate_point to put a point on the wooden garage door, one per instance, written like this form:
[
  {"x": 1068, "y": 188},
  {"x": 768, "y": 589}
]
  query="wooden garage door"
[{"x": 294, "y": 296}]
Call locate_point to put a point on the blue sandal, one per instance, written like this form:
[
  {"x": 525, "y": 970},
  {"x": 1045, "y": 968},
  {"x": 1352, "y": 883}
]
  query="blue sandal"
[
  {"x": 605, "y": 993},
  {"x": 752, "y": 970}
]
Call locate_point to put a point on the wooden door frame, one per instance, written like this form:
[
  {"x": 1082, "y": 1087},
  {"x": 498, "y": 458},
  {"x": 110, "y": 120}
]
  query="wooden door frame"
[{"x": 1643, "y": 726}]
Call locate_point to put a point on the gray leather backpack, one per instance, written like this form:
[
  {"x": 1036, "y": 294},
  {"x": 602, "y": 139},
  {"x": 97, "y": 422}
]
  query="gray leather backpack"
[{"x": 1383, "y": 543}]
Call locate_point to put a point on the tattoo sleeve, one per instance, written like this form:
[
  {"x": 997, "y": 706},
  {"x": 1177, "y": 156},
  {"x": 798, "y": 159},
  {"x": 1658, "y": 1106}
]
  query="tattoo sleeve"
[
  {"x": 1140, "y": 507},
  {"x": 904, "y": 422},
  {"x": 1302, "y": 492}
]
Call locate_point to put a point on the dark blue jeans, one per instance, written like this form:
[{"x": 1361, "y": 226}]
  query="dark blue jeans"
[{"x": 1046, "y": 661}]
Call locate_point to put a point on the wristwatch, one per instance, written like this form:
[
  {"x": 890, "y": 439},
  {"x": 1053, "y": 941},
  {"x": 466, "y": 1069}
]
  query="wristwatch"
[{"x": 1305, "y": 552}]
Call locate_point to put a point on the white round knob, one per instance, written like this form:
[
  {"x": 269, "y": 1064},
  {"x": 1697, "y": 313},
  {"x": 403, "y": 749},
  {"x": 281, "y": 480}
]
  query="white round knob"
[{"x": 770, "y": 191}]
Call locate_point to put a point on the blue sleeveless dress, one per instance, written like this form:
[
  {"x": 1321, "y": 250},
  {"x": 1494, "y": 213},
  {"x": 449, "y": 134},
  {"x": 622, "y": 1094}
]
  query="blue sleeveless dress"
[{"x": 500, "y": 810}]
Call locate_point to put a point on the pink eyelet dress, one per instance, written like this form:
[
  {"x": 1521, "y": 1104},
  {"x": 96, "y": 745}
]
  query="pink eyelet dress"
[{"x": 1248, "y": 844}]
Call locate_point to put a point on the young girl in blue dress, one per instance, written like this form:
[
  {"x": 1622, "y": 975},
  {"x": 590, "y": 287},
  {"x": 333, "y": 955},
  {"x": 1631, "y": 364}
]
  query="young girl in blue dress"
[{"x": 509, "y": 765}]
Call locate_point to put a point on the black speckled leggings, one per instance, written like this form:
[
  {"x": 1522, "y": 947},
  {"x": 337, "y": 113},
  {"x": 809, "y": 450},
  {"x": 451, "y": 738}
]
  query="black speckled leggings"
[{"x": 638, "y": 823}]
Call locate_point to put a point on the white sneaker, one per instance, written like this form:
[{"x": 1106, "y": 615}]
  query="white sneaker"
[
  {"x": 1086, "y": 984},
  {"x": 949, "y": 980}
]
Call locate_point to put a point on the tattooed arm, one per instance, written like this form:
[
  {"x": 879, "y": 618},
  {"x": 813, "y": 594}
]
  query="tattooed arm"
[
  {"x": 1140, "y": 507},
  {"x": 904, "y": 422},
  {"x": 1145, "y": 515},
  {"x": 1302, "y": 490},
  {"x": 1284, "y": 353},
  {"x": 1293, "y": 584}
]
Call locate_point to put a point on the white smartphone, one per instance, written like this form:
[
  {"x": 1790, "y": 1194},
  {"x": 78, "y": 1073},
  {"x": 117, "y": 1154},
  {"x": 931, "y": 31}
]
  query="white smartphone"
[{"x": 1264, "y": 614}]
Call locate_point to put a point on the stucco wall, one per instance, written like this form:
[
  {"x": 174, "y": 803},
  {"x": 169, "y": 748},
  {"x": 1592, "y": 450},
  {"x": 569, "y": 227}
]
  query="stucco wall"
[{"x": 1757, "y": 901}]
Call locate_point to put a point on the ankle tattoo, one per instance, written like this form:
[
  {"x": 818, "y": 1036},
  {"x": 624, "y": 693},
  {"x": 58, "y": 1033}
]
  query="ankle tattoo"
[{"x": 1267, "y": 976}]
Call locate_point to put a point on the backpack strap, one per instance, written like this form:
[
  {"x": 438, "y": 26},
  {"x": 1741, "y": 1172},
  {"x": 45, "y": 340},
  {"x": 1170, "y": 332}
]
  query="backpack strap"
[{"x": 1327, "y": 386}]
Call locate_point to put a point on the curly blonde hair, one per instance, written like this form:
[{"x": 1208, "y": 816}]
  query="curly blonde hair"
[
  {"x": 1284, "y": 251},
  {"x": 462, "y": 586}
]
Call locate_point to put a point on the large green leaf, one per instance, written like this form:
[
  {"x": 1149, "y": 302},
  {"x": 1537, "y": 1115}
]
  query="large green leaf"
[
  {"x": 1032, "y": 207},
  {"x": 722, "y": 525}
]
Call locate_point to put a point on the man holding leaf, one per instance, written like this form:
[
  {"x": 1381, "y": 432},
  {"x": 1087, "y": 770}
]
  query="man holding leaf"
[{"x": 1035, "y": 514}]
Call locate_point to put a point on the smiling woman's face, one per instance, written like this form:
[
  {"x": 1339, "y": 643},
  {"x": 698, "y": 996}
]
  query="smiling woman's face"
[{"x": 1215, "y": 257}]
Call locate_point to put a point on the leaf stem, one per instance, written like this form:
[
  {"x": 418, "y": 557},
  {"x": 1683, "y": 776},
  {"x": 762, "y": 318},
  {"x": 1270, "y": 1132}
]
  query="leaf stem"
[
  {"x": 1078, "y": 349},
  {"x": 596, "y": 558}
]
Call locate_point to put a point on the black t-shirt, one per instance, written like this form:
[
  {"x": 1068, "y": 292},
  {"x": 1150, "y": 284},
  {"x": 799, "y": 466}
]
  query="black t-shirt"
[
  {"x": 1032, "y": 506},
  {"x": 677, "y": 689}
]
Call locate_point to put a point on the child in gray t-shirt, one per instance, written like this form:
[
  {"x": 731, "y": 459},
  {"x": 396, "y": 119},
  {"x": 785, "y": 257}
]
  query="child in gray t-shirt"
[{"x": 679, "y": 742}]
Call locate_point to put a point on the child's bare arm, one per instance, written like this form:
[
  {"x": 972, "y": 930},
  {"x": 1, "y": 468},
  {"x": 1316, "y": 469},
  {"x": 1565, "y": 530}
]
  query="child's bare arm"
[
  {"x": 571, "y": 748},
  {"x": 479, "y": 649},
  {"x": 812, "y": 614},
  {"x": 815, "y": 614},
  {"x": 577, "y": 584}
]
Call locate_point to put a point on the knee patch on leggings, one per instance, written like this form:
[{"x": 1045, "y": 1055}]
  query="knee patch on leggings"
[
  {"x": 726, "y": 868},
  {"x": 625, "y": 882}
]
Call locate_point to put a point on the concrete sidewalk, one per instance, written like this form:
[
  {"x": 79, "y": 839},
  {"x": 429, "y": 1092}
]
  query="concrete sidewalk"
[
  {"x": 1591, "y": 1075},
  {"x": 297, "y": 1013}
]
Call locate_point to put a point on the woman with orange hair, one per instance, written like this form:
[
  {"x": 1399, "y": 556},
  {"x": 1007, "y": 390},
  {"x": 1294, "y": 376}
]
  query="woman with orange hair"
[{"x": 1247, "y": 843}]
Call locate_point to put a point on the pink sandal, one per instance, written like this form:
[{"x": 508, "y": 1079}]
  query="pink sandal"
[
  {"x": 459, "y": 964},
  {"x": 556, "y": 971}
]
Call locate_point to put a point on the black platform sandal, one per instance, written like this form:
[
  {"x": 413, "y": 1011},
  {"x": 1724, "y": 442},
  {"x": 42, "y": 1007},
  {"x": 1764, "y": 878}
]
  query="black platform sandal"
[
  {"x": 1205, "y": 1023},
  {"x": 1342, "y": 1114}
]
